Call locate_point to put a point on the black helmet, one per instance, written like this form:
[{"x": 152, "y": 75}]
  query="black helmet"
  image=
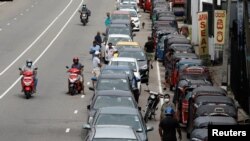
[
  {"x": 84, "y": 5},
  {"x": 29, "y": 62},
  {"x": 75, "y": 60}
]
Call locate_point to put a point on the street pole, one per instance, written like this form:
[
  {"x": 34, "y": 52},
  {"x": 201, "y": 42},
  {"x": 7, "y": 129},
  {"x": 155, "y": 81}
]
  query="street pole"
[{"x": 224, "y": 81}]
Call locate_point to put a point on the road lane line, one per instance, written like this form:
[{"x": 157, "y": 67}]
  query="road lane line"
[
  {"x": 32, "y": 44},
  {"x": 159, "y": 80},
  {"x": 8, "y": 24},
  {"x": 21, "y": 14},
  {"x": 44, "y": 50},
  {"x": 75, "y": 112},
  {"x": 67, "y": 130},
  {"x": 32, "y": 6},
  {"x": 2, "y": 3},
  {"x": 82, "y": 96},
  {"x": 1, "y": 29},
  {"x": 27, "y": 10},
  {"x": 15, "y": 18}
]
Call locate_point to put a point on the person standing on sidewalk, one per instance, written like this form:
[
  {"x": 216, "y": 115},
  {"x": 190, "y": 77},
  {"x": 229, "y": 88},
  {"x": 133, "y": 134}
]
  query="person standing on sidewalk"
[
  {"x": 96, "y": 66},
  {"x": 108, "y": 20},
  {"x": 94, "y": 48},
  {"x": 168, "y": 126},
  {"x": 150, "y": 51},
  {"x": 169, "y": 59}
]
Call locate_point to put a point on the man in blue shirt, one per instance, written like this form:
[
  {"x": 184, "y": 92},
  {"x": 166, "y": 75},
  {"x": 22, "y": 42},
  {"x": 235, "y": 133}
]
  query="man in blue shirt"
[{"x": 94, "y": 48}]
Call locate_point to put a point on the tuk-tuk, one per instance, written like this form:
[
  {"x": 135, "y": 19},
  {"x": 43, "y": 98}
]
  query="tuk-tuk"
[
  {"x": 199, "y": 131},
  {"x": 181, "y": 96}
]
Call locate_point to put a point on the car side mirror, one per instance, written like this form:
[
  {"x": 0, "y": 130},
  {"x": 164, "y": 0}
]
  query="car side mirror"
[
  {"x": 91, "y": 88},
  {"x": 150, "y": 128},
  {"x": 88, "y": 107},
  {"x": 86, "y": 126}
]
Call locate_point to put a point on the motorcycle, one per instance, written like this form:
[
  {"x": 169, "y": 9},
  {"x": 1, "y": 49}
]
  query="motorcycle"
[
  {"x": 74, "y": 82},
  {"x": 28, "y": 83},
  {"x": 83, "y": 17},
  {"x": 152, "y": 102}
]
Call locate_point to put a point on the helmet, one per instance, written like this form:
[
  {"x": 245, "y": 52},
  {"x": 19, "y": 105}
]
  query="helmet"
[
  {"x": 169, "y": 111},
  {"x": 29, "y": 63},
  {"x": 84, "y": 5},
  {"x": 75, "y": 60}
]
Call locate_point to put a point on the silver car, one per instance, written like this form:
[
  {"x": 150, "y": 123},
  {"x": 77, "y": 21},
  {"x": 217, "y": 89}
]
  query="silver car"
[{"x": 112, "y": 133}]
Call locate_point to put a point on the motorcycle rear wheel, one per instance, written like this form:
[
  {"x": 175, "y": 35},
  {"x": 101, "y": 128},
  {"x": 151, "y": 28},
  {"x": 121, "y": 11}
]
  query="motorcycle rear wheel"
[
  {"x": 147, "y": 115},
  {"x": 27, "y": 95}
]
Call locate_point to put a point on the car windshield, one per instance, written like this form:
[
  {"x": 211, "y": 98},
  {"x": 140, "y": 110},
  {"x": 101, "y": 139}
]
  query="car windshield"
[
  {"x": 119, "y": 30},
  {"x": 119, "y": 119},
  {"x": 104, "y": 101},
  {"x": 126, "y": 46},
  {"x": 112, "y": 71},
  {"x": 114, "y": 40},
  {"x": 112, "y": 139},
  {"x": 113, "y": 84},
  {"x": 120, "y": 16},
  {"x": 133, "y": 13},
  {"x": 132, "y": 65},
  {"x": 140, "y": 56}
]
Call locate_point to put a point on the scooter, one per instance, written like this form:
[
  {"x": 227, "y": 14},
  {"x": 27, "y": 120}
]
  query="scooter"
[
  {"x": 74, "y": 83},
  {"x": 28, "y": 83},
  {"x": 83, "y": 18}
]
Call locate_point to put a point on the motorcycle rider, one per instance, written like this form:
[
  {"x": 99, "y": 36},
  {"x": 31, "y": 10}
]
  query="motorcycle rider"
[
  {"x": 79, "y": 66},
  {"x": 168, "y": 126},
  {"x": 86, "y": 11},
  {"x": 30, "y": 67}
]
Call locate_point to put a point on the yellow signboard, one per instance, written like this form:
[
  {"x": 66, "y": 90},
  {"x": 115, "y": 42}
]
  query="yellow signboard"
[
  {"x": 219, "y": 27},
  {"x": 203, "y": 33}
]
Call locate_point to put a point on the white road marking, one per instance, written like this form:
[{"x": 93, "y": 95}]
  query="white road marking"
[
  {"x": 1, "y": 29},
  {"x": 88, "y": 83},
  {"x": 44, "y": 50},
  {"x": 21, "y": 14},
  {"x": 15, "y": 18},
  {"x": 67, "y": 130},
  {"x": 8, "y": 24},
  {"x": 75, "y": 112},
  {"x": 32, "y": 44},
  {"x": 27, "y": 10},
  {"x": 2, "y": 3},
  {"x": 82, "y": 96},
  {"x": 32, "y": 6},
  {"x": 159, "y": 80}
]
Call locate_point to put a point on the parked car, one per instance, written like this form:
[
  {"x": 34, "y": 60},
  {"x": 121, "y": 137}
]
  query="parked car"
[
  {"x": 120, "y": 15},
  {"x": 182, "y": 48},
  {"x": 141, "y": 58},
  {"x": 114, "y": 38},
  {"x": 135, "y": 18},
  {"x": 112, "y": 133},
  {"x": 120, "y": 116},
  {"x": 111, "y": 98},
  {"x": 130, "y": 62},
  {"x": 122, "y": 69}
]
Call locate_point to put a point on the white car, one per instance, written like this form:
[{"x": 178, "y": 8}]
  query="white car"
[
  {"x": 128, "y": 2},
  {"x": 115, "y": 38},
  {"x": 135, "y": 17},
  {"x": 127, "y": 61}
]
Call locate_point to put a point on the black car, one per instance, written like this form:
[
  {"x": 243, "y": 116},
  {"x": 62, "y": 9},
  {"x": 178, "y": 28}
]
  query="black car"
[
  {"x": 141, "y": 58},
  {"x": 122, "y": 69},
  {"x": 120, "y": 116},
  {"x": 111, "y": 98}
]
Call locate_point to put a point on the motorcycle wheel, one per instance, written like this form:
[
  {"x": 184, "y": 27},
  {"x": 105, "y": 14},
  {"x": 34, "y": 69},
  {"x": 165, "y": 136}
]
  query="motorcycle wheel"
[
  {"x": 83, "y": 23},
  {"x": 72, "y": 91},
  {"x": 147, "y": 115},
  {"x": 27, "y": 95}
]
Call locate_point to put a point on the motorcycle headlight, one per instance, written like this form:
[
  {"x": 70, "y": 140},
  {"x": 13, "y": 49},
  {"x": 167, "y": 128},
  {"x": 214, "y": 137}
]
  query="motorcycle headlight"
[
  {"x": 152, "y": 96},
  {"x": 84, "y": 15}
]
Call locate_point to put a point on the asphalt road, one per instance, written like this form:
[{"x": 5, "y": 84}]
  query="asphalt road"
[{"x": 50, "y": 33}]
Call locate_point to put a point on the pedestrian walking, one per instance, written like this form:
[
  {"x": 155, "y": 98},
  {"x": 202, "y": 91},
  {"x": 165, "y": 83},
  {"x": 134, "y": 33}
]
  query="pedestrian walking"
[
  {"x": 150, "y": 51},
  {"x": 98, "y": 38},
  {"x": 96, "y": 66},
  {"x": 169, "y": 59},
  {"x": 168, "y": 126},
  {"x": 95, "y": 47},
  {"x": 108, "y": 20}
]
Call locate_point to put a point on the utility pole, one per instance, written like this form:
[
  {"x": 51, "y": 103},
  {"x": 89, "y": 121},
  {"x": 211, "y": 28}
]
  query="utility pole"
[{"x": 224, "y": 81}]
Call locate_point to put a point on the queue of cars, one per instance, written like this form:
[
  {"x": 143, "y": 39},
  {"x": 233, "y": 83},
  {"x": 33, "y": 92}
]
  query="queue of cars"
[{"x": 113, "y": 112}]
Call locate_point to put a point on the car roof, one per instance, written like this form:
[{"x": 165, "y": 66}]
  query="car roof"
[
  {"x": 119, "y": 35},
  {"x": 214, "y": 99},
  {"x": 118, "y": 25},
  {"x": 128, "y": 10},
  {"x": 186, "y": 55},
  {"x": 128, "y": 43},
  {"x": 121, "y": 21},
  {"x": 114, "y": 131},
  {"x": 120, "y": 12},
  {"x": 204, "y": 121},
  {"x": 108, "y": 67},
  {"x": 113, "y": 92},
  {"x": 131, "y": 49},
  {"x": 119, "y": 110},
  {"x": 113, "y": 76},
  {"x": 125, "y": 59},
  {"x": 209, "y": 90}
]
